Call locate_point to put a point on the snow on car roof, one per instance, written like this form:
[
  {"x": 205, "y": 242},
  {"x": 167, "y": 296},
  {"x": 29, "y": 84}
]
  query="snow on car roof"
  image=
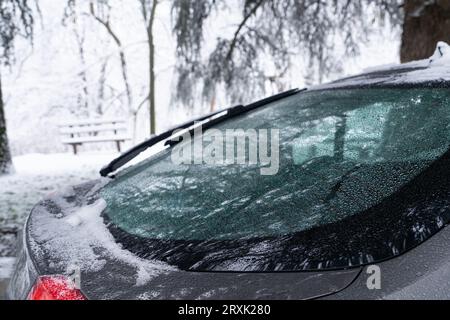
[{"x": 434, "y": 69}]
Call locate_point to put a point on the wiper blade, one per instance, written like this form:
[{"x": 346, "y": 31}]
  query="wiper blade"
[
  {"x": 227, "y": 114},
  {"x": 135, "y": 151}
]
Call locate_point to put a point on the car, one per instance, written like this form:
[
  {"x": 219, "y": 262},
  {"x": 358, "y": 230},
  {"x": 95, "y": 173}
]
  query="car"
[{"x": 339, "y": 191}]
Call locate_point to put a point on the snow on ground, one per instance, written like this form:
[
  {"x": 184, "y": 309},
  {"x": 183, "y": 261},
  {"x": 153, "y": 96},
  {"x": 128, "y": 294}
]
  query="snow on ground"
[
  {"x": 37, "y": 175},
  {"x": 6, "y": 267}
]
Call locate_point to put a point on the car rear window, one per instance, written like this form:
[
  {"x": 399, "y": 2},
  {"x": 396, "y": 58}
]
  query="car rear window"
[{"x": 363, "y": 176}]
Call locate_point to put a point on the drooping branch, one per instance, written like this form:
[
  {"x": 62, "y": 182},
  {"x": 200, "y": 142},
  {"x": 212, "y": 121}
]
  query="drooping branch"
[
  {"x": 244, "y": 21},
  {"x": 272, "y": 32},
  {"x": 16, "y": 19},
  {"x": 5, "y": 154}
]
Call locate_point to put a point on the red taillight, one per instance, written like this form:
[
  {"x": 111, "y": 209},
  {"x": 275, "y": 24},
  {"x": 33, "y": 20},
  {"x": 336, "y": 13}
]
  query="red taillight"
[{"x": 55, "y": 288}]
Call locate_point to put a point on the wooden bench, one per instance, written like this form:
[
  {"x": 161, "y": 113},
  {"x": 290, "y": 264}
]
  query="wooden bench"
[{"x": 77, "y": 133}]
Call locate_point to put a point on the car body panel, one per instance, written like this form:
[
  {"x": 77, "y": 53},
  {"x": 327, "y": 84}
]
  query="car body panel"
[
  {"x": 52, "y": 243},
  {"x": 422, "y": 273},
  {"x": 403, "y": 277},
  {"x": 118, "y": 278}
]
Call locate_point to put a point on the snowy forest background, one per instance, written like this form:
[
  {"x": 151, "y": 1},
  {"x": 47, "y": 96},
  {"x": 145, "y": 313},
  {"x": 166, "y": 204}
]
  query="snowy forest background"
[
  {"x": 157, "y": 63},
  {"x": 73, "y": 70}
]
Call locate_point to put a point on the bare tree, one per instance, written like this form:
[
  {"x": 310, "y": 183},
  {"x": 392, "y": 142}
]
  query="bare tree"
[
  {"x": 104, "y": 20},
  {"x": 100, "y": 11},
  {"x": 16, "y": 19}
]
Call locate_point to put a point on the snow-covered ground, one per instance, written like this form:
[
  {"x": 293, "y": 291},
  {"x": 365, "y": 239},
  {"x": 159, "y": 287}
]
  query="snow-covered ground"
[
  {"x": 6, "y": 266},
  {"x": 37, "y": 175}
]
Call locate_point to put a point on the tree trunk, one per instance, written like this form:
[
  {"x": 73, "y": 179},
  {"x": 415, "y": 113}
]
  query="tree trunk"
[
  {"x": 424, "y": 26},
  {"x": 151, "y": 44},
  {"x": 101, "y": 88},
  {"x": 5, "y": 155}
]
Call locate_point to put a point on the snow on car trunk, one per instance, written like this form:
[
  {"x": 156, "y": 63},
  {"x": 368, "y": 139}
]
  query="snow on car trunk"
[
  {"x": 67, "y": 230},
  {"x": 35, "y": 176}
]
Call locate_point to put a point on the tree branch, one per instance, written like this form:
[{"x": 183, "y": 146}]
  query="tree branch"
[{"x": 241, "y": 26}]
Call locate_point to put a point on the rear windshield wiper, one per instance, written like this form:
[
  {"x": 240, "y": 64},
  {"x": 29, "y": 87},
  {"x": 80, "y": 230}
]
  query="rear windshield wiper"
[{"x": 227, "y": 114}]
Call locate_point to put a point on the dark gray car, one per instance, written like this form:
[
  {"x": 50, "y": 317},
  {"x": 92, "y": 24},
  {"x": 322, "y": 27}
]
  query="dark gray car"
[{"x": 357, "y": 207}]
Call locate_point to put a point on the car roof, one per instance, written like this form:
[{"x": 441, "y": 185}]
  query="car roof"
[{"x": 432, "y": 71}]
